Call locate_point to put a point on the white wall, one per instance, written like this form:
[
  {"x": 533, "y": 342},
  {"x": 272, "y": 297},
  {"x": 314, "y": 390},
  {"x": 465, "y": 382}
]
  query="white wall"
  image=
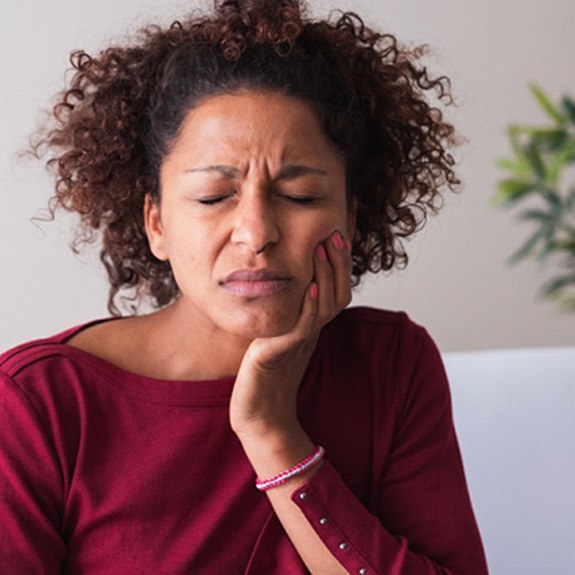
[{"x": 458, "y": 283}]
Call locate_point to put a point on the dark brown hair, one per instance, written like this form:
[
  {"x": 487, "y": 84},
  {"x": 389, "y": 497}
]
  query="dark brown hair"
[{"x": 123, "y": 108}]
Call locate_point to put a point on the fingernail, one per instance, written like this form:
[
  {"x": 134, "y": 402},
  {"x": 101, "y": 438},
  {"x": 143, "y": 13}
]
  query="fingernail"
[
  {"x": 313, "y": 291},
  {"x": 321, "y": 253},
  {"x": 337, "y": 240}
]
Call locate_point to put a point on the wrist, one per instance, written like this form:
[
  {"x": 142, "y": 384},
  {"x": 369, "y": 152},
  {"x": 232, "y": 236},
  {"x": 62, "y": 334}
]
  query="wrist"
[
  {"x": 260, "y": 422},
  {"x": 276, "y": 451},
  {"x": 275, "y": 432},
  {"x": 299, "y": 470}
]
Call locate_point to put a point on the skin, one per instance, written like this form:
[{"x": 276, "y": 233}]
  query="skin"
[{"x": 248, "y": 170}]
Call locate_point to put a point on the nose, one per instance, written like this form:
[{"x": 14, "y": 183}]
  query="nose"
[{"x": 255, "y": 223}]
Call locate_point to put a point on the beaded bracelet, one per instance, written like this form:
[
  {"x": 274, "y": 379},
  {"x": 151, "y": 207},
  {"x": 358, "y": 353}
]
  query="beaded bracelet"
[{"x": 298, "y": 469}]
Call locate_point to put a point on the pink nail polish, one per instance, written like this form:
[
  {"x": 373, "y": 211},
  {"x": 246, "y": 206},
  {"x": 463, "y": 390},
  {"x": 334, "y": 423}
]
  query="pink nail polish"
[
  {"x": 321, "y": 253},
  {"x": 313, "y": 291},
  {"x": 337, "y": 241}
]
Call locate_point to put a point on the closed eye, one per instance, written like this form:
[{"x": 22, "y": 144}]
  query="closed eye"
[
  {"x": 213, "y": 200},
  {"x": 294, "y": 199},
  {"x": 301, "y": 200}
]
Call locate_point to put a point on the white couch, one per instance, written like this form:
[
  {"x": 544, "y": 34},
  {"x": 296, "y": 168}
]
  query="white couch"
[{"x": 515, "y": 417}]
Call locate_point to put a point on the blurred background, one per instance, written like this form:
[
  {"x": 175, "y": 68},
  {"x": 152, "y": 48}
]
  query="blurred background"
[{"x": 458, "y": 283}]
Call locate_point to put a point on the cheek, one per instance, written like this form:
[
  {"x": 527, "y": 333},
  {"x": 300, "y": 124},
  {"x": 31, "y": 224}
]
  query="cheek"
[
  {"x": 320, "y": 234},
  {"x": 190, "y": 238},
  {"x": 188, "y": 253},
  {"x": 324, "y": 229}
]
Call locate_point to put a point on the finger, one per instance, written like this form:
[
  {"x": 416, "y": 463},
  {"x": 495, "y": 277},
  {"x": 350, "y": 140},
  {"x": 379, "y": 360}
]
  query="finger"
[
  {"x": 324, "y": 276},
  {"x": 306, "y": 324},
  {"x": 339, "y": 252},
  {"x": 305, "y": 329}
]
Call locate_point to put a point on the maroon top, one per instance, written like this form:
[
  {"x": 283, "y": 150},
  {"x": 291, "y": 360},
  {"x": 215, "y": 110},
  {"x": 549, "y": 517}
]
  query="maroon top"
[{"x": 106, "y": 472}]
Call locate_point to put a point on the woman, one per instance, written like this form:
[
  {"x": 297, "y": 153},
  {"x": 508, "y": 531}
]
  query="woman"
[{"x": 241, "y": 168}]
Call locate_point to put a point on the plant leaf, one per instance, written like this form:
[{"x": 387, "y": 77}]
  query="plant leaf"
[
  {"x": 552, "y": 141},
  {"x": 528, "y": 247},
  {"x": 546, "y": 105},
  {"x": 558, "y": 284},
  {"x": 561, "y": 157},
  {"x": 535, "y": 160},
  {"x": 551, "y": 194},
  {"x": 537, "y": 215},
  {"x": 542, "y": 158},
  {"x": 514, "y": 133},
  {"x": 538, "y": 132},
  {"x": 510, "y": 190},
  {"x": 519, "y": 166},
  {"x": 549, "y": 245},
  {"x": 568, "y": 108}
]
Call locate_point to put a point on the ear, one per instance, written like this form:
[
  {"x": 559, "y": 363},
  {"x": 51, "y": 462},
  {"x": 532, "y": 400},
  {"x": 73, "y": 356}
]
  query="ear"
[{"x": 154, "y": 229}]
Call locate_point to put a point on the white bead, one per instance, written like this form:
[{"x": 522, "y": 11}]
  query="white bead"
[
  {"x": 323, "y": 521},
  {"x": 363, "y": 571},
  {"x": 343, "y": 546},
  {"x": 303, "y": 495}
]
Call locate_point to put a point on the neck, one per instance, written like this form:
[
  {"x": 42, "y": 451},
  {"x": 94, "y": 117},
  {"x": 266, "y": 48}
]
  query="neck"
[{"x": 194, "y": 348}]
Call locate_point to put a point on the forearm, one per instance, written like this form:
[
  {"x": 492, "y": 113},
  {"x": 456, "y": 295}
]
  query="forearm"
[
  {"x": 274, "y": 455},
  {"x": 334, "y": 532}
]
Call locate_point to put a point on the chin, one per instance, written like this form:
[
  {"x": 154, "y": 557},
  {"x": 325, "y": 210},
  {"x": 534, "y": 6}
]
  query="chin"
[{"x": 252, "y": 326}]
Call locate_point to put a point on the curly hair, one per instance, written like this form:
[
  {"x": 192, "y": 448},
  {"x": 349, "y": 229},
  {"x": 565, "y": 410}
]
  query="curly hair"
[{"x": 122, "y": 110}]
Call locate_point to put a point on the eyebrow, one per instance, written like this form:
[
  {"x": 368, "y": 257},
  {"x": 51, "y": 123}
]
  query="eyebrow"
[
  {"x": 293, "y": 171},
  {"x": 226, "y": 171},
  {"x": 289, "y": 172}
]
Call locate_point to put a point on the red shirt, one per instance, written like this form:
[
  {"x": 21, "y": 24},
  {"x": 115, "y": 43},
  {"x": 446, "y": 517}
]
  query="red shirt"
[{"x": 103, "y": 471}]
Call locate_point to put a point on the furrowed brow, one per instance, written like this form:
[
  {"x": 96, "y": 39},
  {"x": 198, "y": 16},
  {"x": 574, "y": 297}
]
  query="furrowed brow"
[
  {"x": 293, "y": 171},
  {"x": 227, "y": 172}
]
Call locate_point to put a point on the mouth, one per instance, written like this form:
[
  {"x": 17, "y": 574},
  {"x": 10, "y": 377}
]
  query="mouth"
[{"x": 255, "y": 283}]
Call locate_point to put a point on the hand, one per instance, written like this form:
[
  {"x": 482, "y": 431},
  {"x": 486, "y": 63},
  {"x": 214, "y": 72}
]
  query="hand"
[{"x": 263, "y": 406}]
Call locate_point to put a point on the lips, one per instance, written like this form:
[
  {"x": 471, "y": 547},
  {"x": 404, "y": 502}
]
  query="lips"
[{"x": 255, "y": 283}]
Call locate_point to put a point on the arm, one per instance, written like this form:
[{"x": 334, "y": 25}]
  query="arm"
[
  {"x": 29, "y": 501},
  {"x": 420, "y": 519},
  {"x": 423, "y": 510},
  {"x": 263, "y": 411}
]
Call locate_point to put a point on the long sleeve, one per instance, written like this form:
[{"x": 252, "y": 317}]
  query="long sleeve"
[
  {"x": 103, "y": 471},
  {"x": 31, "y": 498},
  {"x": 420, "y": 520}
]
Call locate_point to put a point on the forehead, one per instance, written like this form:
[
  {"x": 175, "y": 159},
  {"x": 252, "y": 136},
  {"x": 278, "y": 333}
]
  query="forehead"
[{"x": 252, "y": 124}]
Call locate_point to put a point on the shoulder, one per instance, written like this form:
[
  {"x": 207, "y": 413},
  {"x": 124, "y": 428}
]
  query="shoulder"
[
  {"x": 35, "y": 360},
  {"x": 51, "y": 384},
  {"x": 381, "y": 344},
  {"x": 366, "y": 325}
]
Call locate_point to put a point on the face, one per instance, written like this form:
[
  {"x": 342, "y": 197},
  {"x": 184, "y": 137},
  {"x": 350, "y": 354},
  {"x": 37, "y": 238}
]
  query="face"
[{"x": 249, "y": 171}]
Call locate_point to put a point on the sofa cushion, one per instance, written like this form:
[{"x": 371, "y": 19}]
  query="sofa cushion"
[{"x": 515, "y": 417}]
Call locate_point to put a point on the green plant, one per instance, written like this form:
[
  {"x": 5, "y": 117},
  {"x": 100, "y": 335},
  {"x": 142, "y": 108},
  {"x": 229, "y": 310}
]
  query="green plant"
[{"x": 542, "y": 180}]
